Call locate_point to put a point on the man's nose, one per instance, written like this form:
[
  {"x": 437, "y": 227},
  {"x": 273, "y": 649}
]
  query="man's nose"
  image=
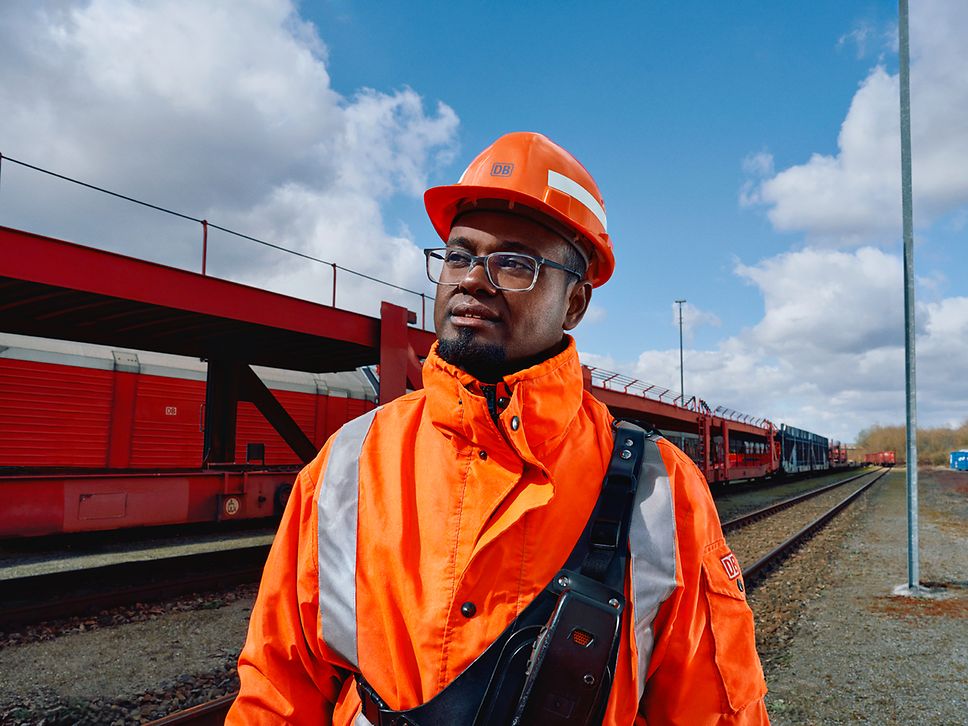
[{"x": 476, "y": 279}]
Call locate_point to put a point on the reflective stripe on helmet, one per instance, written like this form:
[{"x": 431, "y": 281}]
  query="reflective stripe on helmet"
[
  {"x": 337, "y": 511},
  {"x": 576, "y": 191}
]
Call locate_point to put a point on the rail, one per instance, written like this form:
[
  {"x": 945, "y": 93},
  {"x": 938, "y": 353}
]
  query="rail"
[
  {"x": 211, "y": 713},
  {"x": 758, "y": 569},
  {"x": 750, "y": 517},
  {"x": 206, "y": 225}
]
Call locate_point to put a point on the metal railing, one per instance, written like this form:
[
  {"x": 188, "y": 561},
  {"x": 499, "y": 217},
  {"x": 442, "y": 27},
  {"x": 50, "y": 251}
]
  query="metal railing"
[
  {"x": 206, "y": 225},
  {"x": 612, "y": 381},
  {"x": 739, "y": 417}
]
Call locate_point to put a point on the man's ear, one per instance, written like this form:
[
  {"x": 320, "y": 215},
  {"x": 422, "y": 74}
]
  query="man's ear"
[{"x": 579, "y": 297}]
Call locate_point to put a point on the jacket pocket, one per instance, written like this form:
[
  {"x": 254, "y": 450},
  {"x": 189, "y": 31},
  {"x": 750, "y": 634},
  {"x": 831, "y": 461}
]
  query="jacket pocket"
[{"x": 731, "y": 622}]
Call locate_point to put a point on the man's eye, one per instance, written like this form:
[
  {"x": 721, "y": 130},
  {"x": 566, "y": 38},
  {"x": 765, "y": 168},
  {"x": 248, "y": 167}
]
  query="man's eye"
[
  {"x": 457, "y": 259},
  {"x": 515, "y": 264}
]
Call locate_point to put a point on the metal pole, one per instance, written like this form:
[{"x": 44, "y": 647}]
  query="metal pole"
[
  {"x": 907, "y": 215},
  {"x": 682, "y": 385},
  {"x": 204, "y": 244}
]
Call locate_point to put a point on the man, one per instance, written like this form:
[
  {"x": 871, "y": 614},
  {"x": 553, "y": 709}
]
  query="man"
[{"x": 423, "y": 529}]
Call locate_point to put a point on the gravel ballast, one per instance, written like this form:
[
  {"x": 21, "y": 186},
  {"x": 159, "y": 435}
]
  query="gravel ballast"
[
  {"x": 836, "y": 644},
  {"x": 854, "y": 652}
]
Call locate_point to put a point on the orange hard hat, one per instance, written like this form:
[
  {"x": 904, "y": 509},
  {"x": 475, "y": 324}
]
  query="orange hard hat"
[{"x": 530, "y": 169}]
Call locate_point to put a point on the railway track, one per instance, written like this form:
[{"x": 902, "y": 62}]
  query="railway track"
[
  {"x": 36, "y": 598},
  {"x": 763, "y": 512},
  {"x": 753, "y": 573}
]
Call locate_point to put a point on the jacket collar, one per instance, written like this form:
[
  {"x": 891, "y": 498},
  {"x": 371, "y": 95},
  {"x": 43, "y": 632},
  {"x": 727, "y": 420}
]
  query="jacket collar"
[{"x": 544, "y": 399}]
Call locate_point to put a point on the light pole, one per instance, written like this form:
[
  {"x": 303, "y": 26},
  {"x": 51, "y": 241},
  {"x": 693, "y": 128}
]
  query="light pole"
[
  {"x": 682, "y": 386},
  {"x": 907, "y": 224}
]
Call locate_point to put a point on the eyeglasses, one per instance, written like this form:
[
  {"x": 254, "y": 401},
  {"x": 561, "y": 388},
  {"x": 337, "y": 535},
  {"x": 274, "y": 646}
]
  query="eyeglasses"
[{"x": 512, "y": 271}]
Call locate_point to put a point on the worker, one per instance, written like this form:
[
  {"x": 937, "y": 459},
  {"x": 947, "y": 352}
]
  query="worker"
[{"x": 425, "y": 532}]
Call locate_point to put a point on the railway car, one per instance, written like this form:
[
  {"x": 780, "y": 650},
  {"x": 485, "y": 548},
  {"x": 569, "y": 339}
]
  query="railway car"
[
  {"x": 803, "y": 450},
  {"x": 838, "y": 455},
  {"x": 95, "y": 438},
  {"x": 881, "y": 458}
]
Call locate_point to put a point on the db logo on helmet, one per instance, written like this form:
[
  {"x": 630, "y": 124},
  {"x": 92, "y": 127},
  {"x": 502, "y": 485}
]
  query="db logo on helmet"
[{"x": 502, "y": 168}]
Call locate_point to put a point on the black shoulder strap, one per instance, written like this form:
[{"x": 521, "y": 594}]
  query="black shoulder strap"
[
  {"x": 602, "y": 551},
  {"x": 601, "y": 554}
]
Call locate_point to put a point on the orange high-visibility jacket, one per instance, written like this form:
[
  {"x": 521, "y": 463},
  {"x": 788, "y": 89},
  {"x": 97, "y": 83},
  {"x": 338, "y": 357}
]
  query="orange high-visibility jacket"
[{"x": 422, "y": 529}]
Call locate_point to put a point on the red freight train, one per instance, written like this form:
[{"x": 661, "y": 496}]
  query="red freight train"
[
  {"x": 95, "y": 438},
  {"x": 881, "y": 458}
]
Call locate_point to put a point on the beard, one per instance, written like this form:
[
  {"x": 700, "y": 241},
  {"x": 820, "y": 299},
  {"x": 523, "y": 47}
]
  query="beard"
[{"x": 487, "y": 362}]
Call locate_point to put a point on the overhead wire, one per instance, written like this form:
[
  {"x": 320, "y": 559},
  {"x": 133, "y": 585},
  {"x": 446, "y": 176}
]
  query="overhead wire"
[{"x": 214, "y": 226}]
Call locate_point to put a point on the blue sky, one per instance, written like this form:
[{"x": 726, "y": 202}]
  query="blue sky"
[
  {"x": 744, "y": 150},
  {"x": 662, "y": 127}
]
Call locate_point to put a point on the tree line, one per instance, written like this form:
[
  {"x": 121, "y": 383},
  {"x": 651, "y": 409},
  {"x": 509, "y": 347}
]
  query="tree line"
[{"x": 934, "y": 445}]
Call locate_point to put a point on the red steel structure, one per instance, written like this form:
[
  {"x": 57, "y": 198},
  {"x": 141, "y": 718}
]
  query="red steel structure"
[{"x": 54, "y": 289}]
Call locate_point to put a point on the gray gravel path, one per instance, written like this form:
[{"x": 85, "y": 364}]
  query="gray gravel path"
[{"x": 859, "y": 654}]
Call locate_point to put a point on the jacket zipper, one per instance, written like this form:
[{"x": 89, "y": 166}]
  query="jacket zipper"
[{"x": 490, "y": 395}]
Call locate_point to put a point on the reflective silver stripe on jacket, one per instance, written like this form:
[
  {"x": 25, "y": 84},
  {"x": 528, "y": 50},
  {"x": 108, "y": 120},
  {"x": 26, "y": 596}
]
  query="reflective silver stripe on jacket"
[
  {"x": 652, "y": 540},
  {"x": 337, "y": 510}
]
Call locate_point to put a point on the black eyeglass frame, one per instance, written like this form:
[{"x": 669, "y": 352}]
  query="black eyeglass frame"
[{"x": 482, "y": 260}]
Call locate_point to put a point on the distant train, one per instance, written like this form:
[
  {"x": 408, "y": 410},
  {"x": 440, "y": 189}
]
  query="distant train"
[{"x": 881, "y": 458}]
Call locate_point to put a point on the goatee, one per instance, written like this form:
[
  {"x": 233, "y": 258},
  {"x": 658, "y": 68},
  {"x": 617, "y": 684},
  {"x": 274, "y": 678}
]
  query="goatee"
[{"x": 487, "y": 362}]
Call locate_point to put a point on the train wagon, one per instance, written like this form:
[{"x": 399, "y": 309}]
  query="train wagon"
[
  {"x": 838, "y": 454},
  {"x": 881, "y": 458},
  {"x": 803, "y": 450},
  {"x": 95, "y": 438}
]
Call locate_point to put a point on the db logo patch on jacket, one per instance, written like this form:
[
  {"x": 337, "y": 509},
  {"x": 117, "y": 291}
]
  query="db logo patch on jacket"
[{"x": 731, "y": 565}]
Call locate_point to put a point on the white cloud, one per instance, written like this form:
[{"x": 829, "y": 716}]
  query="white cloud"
[
  {"x": 854, "y": 196},
  {"x": 222, "y": 110},
  {"x": 860, "y": 37},
  {"x": 759, "y": 164},
  {"x": 828, "y": 353},
  {"x": 867, "y": 37}
]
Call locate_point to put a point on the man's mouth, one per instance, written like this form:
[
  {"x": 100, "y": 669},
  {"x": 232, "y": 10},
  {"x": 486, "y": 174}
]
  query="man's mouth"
[{"x": 473, "y": 315}]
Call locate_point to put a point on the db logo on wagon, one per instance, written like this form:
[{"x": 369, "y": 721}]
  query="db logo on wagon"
[
  {"x": 731, "y": 565},
  {"x": 231, "y": 506},
  {"x": 502, "y": 168}
]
